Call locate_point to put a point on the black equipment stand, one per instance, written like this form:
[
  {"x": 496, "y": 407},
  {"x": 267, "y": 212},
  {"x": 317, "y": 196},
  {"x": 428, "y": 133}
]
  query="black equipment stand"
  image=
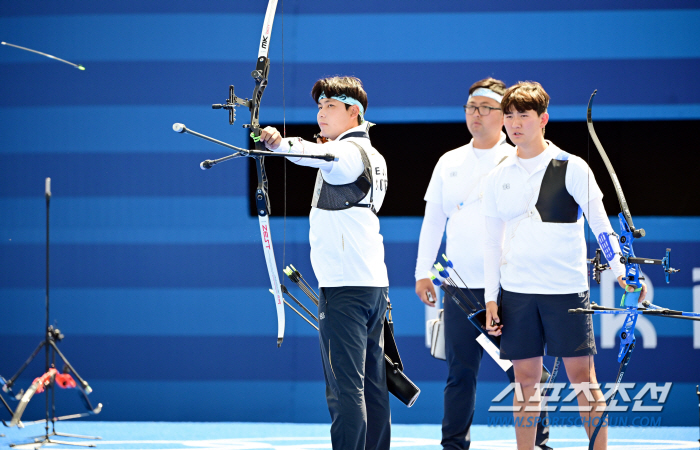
[{"x": 52, "y": 336}]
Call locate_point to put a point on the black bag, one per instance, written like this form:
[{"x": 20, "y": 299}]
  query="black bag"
[{"x": 396, "y": 381}]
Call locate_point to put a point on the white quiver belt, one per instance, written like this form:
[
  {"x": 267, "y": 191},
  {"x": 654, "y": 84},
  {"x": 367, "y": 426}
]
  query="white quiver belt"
[{"x": 335, "y": 197}]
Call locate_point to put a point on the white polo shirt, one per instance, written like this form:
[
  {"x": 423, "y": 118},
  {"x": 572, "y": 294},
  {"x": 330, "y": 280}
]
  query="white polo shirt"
[
  {"x": 539, "y": 257},
  {"x": 456, "y": 185}
]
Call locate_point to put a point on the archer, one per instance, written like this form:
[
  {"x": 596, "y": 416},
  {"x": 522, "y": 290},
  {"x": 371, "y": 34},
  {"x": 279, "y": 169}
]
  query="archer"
[
  {"x": 347, "y": 255},
  {"x": 536, "y": 254}
]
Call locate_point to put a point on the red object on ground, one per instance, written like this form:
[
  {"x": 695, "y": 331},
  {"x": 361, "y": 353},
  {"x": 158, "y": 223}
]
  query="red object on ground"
[{"x": 63, "y": 380}]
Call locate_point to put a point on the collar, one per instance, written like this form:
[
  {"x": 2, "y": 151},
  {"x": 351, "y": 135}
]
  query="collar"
[
  {"x": 360, "y": 131},
  {"x": 355, "y": 134},
  {"x": 547, "y": 155},
  {"x": 550, "y": 152},
  {"x": 501, "y": 141}
]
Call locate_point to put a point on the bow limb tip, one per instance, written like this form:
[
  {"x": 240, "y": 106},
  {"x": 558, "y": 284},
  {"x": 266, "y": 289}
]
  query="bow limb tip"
[{"x": 590, "y": 102}]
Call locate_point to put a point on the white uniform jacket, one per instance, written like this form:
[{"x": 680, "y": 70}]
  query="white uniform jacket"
[{"x": 347, "y": 248}]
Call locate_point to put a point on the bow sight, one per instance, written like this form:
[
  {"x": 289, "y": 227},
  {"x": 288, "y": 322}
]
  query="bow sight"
[{"x": 260, "y": 76}]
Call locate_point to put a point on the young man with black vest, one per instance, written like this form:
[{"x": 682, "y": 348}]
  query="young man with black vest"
[
  {"x": 535, "y": 254},
  {"x": 453, "y": 205},
  {"x": 347, "y": 255}
]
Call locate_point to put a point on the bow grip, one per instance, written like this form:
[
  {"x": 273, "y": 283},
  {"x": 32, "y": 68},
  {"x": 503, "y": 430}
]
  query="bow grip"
[{"x": 630, "y": 299}]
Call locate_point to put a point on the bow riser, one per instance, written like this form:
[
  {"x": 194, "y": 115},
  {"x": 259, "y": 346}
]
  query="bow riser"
[
  {"x": 260, "y": 75},
  {"x": 627, "y": 338},
  {"x": 632, "y": 271}
]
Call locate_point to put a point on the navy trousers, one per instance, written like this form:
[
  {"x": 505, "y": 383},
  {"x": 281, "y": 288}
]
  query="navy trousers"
[
  {"x": 351, "y": 321},
  {"x": 463, "y": 354}
]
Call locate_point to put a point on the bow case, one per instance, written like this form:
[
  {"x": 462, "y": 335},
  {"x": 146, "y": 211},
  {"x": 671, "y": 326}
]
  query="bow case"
[{"x": 397, "y": 382}]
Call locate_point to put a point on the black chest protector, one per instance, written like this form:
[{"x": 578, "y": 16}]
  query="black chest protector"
[
  {"x": 554, "y": 203},
  {"x": 336, "y": 197}
]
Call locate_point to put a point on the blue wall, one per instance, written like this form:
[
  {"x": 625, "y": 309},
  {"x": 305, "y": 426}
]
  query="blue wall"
[{"x": 157, "y": 276}]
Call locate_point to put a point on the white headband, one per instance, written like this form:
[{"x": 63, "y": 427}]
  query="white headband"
[
  {"x": 484, "y": 92},
  {"x": 348, "y": 101}
]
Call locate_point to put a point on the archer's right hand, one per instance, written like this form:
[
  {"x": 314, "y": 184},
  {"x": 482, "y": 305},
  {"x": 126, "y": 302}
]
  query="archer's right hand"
[{"x": 493, "y": 322}]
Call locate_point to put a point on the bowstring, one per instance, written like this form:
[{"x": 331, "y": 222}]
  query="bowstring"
[
  {"x": 284, "y": 163},
  {"x": 588, "y": 231}
]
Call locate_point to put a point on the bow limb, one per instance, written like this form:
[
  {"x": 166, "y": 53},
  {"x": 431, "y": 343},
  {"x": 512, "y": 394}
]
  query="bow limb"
[
  {"x": 618, "y": 188},
  {"x": 620, "y": 373},
  {"x": 272, "y": 270}
]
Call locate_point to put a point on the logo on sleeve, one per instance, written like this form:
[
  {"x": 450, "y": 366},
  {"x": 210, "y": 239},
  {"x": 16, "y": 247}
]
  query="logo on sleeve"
[{"x": 506, "y": 186}]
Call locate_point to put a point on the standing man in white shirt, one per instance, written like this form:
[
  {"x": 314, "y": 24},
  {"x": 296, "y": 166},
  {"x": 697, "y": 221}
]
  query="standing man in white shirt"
[
  {"x": 535, "y": 254},
  {"x": 347, "y": 255},
  {"x": 454, "y": 198}
]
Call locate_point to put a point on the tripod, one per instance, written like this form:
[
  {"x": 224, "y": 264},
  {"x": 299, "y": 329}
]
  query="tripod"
[{"x": 51, "y": 376}]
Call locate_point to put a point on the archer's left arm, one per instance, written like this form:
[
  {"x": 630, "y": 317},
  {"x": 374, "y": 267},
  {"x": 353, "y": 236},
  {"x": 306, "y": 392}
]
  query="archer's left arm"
[
  {"x": 581, "y": 184},
  {"x": 345, "y": 169},
  {"x": 599, "y": 223}
]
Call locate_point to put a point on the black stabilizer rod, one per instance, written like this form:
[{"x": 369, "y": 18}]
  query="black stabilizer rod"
[{"x": 209, "y": 163}]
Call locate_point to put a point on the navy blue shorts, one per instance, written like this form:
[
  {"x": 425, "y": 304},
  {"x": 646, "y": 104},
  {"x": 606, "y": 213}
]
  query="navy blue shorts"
[{"x": 535, "y": 322}]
